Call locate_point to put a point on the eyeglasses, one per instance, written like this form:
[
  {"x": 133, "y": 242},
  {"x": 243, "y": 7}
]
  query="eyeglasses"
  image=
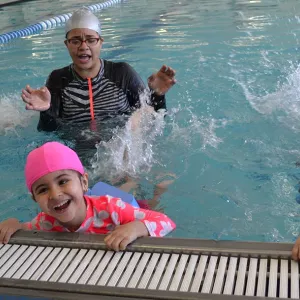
[{"x": 78, "y": 42}]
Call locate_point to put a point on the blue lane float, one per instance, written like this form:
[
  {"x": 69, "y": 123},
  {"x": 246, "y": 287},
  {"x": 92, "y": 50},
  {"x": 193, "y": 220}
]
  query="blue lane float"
[{"x": 50, "y": 23}]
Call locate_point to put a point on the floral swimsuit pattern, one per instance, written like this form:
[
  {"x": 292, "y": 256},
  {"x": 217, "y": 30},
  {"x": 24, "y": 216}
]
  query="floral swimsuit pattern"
[{"x": 104, "y": 213}]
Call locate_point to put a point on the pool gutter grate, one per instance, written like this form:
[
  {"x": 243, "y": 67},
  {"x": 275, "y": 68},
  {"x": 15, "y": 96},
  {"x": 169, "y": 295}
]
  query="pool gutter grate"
[{"x": 79, "y": 265}]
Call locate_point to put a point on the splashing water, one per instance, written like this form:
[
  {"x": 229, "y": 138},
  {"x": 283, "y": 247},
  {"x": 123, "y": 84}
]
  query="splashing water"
[
  {"x": 206, "y": 127},
  {"x": 12, "y": 114},
  {"x": 285, "y": 102},
  {"x": 130, "y": 151},
  {"x": 189, "y": 128},
  {"x": 133, "y": 150}
]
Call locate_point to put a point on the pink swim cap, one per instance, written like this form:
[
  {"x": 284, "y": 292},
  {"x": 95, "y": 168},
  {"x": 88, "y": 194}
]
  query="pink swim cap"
[{"x": 50, "y": 157}]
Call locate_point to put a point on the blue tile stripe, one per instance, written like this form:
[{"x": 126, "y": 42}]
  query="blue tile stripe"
[{"x": 50, "y": 23}]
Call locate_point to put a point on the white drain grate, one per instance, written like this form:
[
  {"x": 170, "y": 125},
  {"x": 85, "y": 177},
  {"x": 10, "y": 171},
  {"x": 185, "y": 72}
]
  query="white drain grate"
[{"x": 202, "y": 273}]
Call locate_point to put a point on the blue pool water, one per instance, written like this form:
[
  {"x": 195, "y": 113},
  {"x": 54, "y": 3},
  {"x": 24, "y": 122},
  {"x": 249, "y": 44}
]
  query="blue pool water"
[{"x": 232, "y": 134}]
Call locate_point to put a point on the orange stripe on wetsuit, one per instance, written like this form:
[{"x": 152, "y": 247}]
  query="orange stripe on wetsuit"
[{"x": 91, "y": 98}]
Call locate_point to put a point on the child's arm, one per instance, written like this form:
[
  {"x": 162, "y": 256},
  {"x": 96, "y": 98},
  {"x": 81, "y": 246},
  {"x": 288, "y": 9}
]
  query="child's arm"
[
  {"x": 296, "y": 250},
  {"x": 135, "y": 222},
  {"x": 8, "y": 228}
]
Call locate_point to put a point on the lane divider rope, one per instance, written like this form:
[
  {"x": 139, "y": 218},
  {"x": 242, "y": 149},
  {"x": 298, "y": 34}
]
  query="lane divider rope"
[{"x": 50, "y": 23}]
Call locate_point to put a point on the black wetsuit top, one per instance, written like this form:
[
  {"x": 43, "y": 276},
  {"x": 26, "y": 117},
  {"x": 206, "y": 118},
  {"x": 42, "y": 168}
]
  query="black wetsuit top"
[{"x": 116, "y": 91}]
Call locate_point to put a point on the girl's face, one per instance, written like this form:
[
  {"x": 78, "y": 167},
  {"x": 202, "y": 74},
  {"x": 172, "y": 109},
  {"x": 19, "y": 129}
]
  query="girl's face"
[{"x": 60, "y": 195}]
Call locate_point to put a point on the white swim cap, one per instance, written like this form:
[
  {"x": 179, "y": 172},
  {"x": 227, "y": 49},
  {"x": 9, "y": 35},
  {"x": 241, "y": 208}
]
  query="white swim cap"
[{"x": 83, "y": 18}]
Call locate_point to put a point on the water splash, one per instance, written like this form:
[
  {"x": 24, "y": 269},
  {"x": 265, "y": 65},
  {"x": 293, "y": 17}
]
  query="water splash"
[
  {"x": 12, "y": 114},
  {"x": 195, "y": 128},
  {"x": 283, "y": 103},
  {"x": 135, "y": 148},
  {"x": 131, "y": 150}
]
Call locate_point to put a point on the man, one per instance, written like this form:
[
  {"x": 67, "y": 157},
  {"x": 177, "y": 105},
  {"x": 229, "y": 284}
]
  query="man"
[{"x": 91, "y": 88}]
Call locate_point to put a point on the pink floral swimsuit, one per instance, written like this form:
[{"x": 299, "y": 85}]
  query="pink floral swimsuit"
[{"x": 104, "y": 213}]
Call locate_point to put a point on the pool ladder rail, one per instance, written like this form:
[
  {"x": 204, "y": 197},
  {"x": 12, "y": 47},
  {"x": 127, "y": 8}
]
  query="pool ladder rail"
[{"x": 78, "y": 266}]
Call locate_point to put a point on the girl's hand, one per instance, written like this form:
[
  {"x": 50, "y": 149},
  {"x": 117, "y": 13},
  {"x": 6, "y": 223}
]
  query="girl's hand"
[
  {"x": 125, "y": 234},
  {"x": 8, "y": 228}
]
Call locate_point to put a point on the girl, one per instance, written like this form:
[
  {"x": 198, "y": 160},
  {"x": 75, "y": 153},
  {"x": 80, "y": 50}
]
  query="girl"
[{"x": 56, "y": 179}]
